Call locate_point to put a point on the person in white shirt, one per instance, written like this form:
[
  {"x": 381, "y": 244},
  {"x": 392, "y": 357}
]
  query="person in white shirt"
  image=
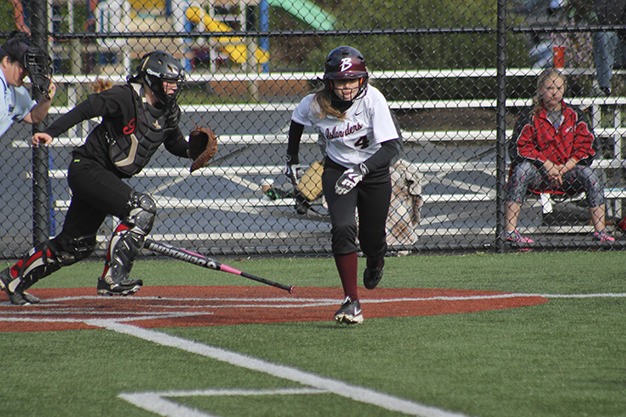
[
  {"x": 360, "y": 139},
  {"x": 20, "y": 58}
]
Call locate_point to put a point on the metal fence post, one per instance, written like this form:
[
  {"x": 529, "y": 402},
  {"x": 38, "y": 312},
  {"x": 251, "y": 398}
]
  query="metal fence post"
[
  {"x": 41, "y": 183},
  {"x": 501, "y": 123}
]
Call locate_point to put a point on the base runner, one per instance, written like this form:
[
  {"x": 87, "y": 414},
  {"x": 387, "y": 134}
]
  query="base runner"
[{"x": 360, "y": 140}]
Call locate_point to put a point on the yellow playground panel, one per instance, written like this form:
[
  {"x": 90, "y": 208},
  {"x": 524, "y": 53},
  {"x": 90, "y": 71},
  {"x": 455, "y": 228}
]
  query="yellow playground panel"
[
  {"x": 234, "y": 47},
  {"x": 147, "y": 4}
]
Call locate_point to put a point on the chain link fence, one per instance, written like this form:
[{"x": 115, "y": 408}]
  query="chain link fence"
[{"x": 456, "y": 75}]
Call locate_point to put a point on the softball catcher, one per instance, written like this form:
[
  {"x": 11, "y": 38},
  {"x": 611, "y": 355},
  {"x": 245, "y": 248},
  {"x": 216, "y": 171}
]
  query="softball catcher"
[{"x": 137, "y": 118}]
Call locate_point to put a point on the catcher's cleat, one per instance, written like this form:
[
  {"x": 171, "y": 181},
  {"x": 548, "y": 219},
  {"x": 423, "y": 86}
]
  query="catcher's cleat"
[
  {"x": 125, "y": 287},
  {"x": 23, "y": 298},
  {"x": 5, "y": 278},
  {"x": 373, "y": 272},
  {"x": 349, "y": 313},
  {"x": 17, "y": 298}
]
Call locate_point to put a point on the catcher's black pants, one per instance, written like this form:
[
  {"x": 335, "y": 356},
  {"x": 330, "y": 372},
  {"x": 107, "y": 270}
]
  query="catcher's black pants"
[
  {"x": 96, "y": 193},
  {"x": 370, "y": 198}
]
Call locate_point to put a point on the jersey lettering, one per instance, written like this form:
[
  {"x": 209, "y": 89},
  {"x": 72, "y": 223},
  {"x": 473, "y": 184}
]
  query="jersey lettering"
[
  {"x": 338, "y": 133},
  {"x": 130, "y": 127},
  {"x": 362, "y": 142}
]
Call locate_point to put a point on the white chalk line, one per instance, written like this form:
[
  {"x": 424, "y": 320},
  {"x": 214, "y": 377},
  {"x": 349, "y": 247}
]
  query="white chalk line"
[
  {"x": 145, "y": 317},
  {"x": 284, "y": 302},
  {"x": 158, "y": 403},
  {"x": 17, "y": 314},
  {"x": 340, "y": 388},
  {"x": 167, "y": 408},
  {"x": 498, "y": 296},
  {"x": 334, "y": 300}
]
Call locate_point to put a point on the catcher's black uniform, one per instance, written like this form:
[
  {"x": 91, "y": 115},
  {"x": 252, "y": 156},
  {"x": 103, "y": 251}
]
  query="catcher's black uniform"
[
  {"x": 119, "y": 147},
  {"x": 130, "y": 132}
]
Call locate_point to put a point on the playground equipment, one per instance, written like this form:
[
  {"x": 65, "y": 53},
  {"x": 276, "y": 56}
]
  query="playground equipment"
[
  {"x": 234, "y": 47},
  {"x": 148, "y": 4},
  {"x": 120, "y": 16},
  {"x": 308, "y": 12}
]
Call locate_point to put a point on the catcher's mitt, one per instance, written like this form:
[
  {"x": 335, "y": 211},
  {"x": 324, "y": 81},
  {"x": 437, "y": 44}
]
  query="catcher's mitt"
[{"x": 202, "y": 147}]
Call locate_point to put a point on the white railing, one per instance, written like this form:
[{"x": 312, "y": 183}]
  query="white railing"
[{"x": 616, "y": 133}]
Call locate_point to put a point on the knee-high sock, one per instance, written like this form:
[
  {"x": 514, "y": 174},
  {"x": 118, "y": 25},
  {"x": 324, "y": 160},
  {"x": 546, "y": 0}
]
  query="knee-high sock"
[{"x": 347, "y": 268}]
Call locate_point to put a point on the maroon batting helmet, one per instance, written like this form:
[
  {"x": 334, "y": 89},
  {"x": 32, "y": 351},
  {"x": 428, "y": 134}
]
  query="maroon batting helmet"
[{"x": 345, "y": 63}]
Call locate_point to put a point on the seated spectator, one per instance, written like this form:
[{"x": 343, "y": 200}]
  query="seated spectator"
[{"x": 551, "y": 150}]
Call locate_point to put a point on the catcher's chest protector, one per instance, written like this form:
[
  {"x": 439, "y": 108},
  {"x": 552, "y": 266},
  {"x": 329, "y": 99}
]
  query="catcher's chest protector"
[{"x": 130, "y": 153}]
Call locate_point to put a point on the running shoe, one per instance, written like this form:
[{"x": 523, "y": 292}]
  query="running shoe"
[
  {"x": 350, "y": 312},
  {"x": 373, "y": 272},
  {"x": 125, "y": 287}
]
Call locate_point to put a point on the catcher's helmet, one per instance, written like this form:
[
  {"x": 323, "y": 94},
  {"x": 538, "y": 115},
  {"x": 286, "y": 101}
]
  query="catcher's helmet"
[
  {"x": 345, "y": 63},
  {"x": 159, "y": 66},
  {"x": 19, "y": 46}
]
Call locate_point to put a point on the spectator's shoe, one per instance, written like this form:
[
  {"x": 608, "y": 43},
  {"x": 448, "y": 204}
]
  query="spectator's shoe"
[
  {"x": 373, "y": 273},
  {"x": 17, "y": 298},
  {"x": 125, "y": 287},
  {"x": 603, "y": 237},
  {"x": 516, "y": 237},
  {"x": 349, "y": 313},
  {"x": 516, "y": 240}
]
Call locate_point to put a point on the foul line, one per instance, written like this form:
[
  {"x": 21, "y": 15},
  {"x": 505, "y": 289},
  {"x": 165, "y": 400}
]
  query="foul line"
[
  {"x": 158, "y": 402},
  {"x": 336, "y": 387}
]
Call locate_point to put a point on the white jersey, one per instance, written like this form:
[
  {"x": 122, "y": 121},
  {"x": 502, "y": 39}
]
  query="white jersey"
[
  {"x": 15, "y": 104},
  {"x": 351, "y": 141}
]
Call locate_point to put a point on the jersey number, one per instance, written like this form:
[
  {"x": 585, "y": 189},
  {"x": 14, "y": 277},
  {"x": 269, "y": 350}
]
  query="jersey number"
[{"x": 362, "y": 142}]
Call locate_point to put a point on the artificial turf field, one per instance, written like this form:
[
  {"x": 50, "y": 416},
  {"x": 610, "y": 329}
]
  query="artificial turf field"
[{"x": 533, "y": 334}]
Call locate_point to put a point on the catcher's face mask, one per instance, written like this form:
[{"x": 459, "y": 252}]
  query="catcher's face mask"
[
  {"x": 35, "y": 61},
  {"x": 39, "y": 67},
  {"x": 160, "y": 70}
]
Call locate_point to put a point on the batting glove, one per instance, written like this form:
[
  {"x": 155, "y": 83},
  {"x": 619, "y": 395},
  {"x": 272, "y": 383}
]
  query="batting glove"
[
  {"x": 292, "y": 169},
  {"x": 350, "y": 178}
]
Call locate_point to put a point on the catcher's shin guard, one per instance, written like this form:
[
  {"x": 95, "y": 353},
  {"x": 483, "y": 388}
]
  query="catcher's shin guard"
[
  {"x": 128, "y": 239},
  {"x": 48, "y": 257}
]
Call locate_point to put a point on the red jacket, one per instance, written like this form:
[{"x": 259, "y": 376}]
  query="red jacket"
[{"x": 536, "y": 139}]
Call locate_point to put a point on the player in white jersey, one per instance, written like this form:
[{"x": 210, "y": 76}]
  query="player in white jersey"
[{"x": 360, "y": 140}]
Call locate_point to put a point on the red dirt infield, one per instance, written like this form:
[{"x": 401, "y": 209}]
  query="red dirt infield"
[{"x": 177, "y": 306}]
